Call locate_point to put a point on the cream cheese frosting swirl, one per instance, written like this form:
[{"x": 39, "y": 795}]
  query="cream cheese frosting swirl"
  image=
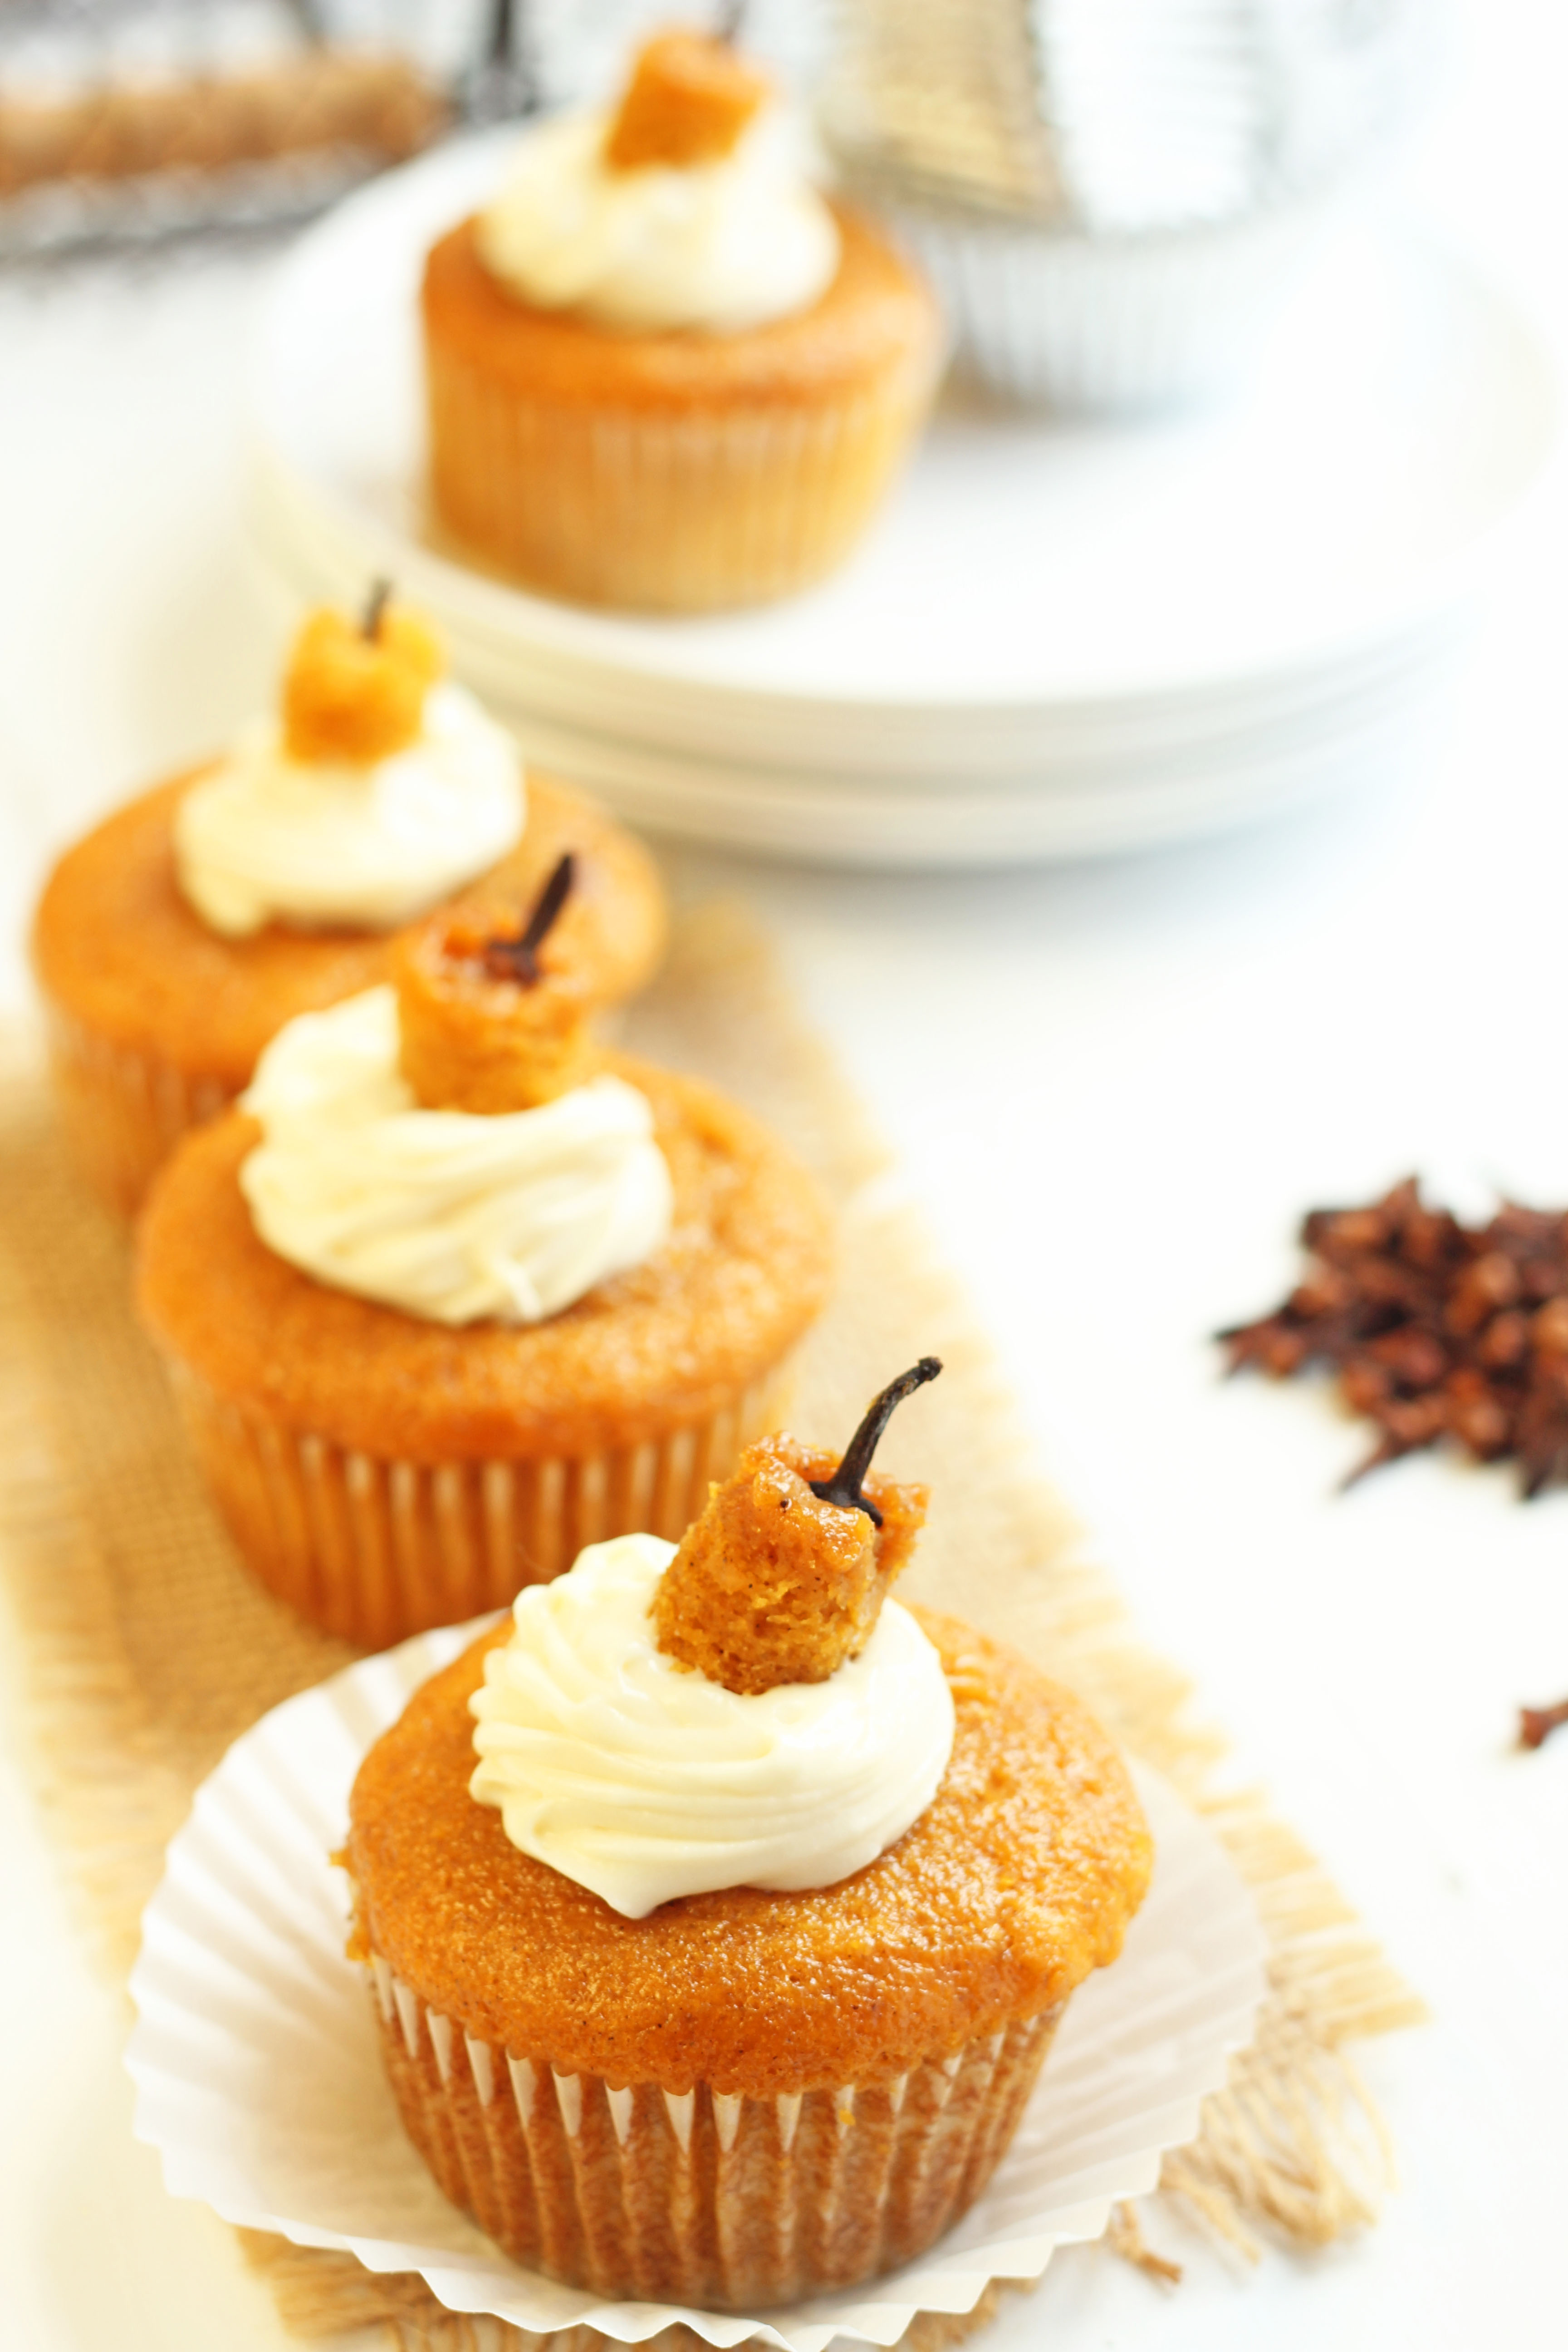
[
  {"x": 451, "y": 1215},
  {"x": 266, "y": 837},
  {"x": 717, "y": 246},
  {"x": 642, "y": 1781}
]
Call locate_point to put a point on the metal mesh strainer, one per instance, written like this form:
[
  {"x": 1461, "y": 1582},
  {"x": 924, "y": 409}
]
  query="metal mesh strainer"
[
  {"x": 1117, "y": 115},
  {"x": 1114, "y": 194}
]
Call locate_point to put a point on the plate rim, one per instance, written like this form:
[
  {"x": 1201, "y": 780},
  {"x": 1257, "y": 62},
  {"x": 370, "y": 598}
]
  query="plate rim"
[{"x": 565, "y": 634}]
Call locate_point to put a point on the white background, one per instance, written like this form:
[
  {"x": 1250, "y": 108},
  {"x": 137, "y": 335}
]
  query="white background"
[{"x": 1114, "y": 1088}]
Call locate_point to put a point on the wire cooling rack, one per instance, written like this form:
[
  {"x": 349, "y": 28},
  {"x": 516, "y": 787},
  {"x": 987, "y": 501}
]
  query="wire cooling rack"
[{"x": 125, "y": 121}]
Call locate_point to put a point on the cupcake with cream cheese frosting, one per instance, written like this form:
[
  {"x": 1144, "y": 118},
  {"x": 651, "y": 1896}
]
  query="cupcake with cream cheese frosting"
[
  {"x": 177, "y": 937},
  {"x": 721, "y": 1911},
  {"x": 453, "y": 1293},
  {"x": 664, "y": 372}
]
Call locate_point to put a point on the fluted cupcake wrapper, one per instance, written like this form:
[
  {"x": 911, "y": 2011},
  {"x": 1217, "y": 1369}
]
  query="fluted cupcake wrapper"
[
  {"x": 124, "y": 1110},
  {"x": 702, "y": 2197},
  {"x": 260, "y": 2075},
  {"x": 373, "y": 1548},
  {"x": 1112, "y": 324},
  {"x": 658, "y": 513}
]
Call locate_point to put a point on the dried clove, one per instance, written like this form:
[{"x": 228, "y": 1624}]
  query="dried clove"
[
  {"x": 375, "y": 604},
  {"x": 844, "y": 1487},
  {"x": 517, "y": 960},
  {"x": 1439, "y": 1332}
]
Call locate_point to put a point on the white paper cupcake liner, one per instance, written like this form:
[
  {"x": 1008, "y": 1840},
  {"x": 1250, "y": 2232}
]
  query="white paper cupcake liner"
[
  {"x": 260, "y": 2079},
  {"x": 684, "y": 514},
  {"x": 124, "y": 1111},
  {"x": 729, "y": 2202},
  {"x": 1111, "y": 325},
  {"x": 374, "y": 1549}
]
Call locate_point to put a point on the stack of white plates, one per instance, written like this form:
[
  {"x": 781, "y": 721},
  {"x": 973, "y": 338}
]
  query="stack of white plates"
[{"x": 1059, "y": 640}]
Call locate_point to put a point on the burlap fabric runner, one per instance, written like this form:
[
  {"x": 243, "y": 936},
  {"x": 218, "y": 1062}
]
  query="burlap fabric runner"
[{"x": 146, "y": 1649}]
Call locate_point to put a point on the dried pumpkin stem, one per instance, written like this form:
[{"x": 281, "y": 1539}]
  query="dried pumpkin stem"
[
  {"x": 844, "y": 1487},
  {"x": 375, "y": 604},
  {"x": 517, "y": 959}
]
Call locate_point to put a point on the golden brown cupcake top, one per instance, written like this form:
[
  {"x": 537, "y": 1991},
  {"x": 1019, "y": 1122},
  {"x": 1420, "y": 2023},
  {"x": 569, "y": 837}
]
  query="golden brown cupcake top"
[
  {"x": 780, "y": 1578},
  {"x": 877, "y": 322},
  {"x": 1015, "y": 1882},
  {"x": 492, "y": 1017},
  {"x": 689, "y": 100},
  {"x": 744, "y": 1271},
  {"x": 354, "y": 690},
  {"x": 119, "y": 947}
]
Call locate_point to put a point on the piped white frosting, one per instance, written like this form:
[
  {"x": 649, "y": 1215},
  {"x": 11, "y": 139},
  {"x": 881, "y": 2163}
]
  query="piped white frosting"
[
  {"x": 265, "y": 838},
  {"x": 642, "y": 1781},
  {"x": 717, "y": 246},
  {"x": 451, "y": 1215}
]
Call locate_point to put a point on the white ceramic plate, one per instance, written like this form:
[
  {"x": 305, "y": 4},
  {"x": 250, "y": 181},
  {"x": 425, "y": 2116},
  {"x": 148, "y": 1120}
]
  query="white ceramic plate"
[
  {"x": 963, "y": 821},
  {"x": 258, "y": 2077},
  {"x": 1038, "y": 604}
]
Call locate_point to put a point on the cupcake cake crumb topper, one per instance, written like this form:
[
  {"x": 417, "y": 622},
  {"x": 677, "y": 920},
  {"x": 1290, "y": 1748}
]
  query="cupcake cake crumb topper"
[{"x": 780, "y": 1578}]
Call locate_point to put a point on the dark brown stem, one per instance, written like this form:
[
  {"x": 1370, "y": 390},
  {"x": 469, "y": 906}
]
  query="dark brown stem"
[
  {"x": 1536, "y": 1724},
  {"x": 517, "y": 959},
  {"x": 375, "y": 604},
  {"x": 732, "y": 17},
  {"x": 505, "y": 80},
  {"x": 502, "y": 32},
  {"x": 844, "y": 1487},
  {"x": 307, "y": 14}
]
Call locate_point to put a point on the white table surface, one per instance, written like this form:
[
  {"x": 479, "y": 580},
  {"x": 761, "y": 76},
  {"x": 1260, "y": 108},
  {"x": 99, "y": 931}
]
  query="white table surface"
[{"x": 1114, "y": 1088}]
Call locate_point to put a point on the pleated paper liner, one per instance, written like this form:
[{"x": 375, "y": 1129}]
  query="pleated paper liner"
[
  {"x": 261, "y": 2062},
  {"x": 731, "y": 2202},
  {"x": 692, "y": 513},
  {"x": 1118, "y": 326},
  {"x": 146, "y": 1648},
  {"x": 124, "y": 1110},
  {"x": 372, "y": 1550}
]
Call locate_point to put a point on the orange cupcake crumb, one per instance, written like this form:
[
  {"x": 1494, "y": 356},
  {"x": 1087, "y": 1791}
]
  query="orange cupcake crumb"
[
  {"x": 688, "y": 100},
  {"x": 358, "y": 693},
  {"x": 478, "y": 1034},
  {"x": 772, "y": 1584}
]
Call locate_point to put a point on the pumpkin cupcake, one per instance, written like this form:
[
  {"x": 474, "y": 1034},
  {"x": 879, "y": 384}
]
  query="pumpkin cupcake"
[
  {"x": 182, "y": 933},
  {"x": 453, "y": 1293},
  {"x": 663, "y": 371},
  {"x": 872, "y": 1853}
]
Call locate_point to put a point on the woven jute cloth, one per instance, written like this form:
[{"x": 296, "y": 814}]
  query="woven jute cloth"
[{"x": 146, "y": 1648}]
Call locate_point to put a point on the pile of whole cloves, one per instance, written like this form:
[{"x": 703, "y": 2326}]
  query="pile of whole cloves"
[{"x": 1437, "y": 1330}]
